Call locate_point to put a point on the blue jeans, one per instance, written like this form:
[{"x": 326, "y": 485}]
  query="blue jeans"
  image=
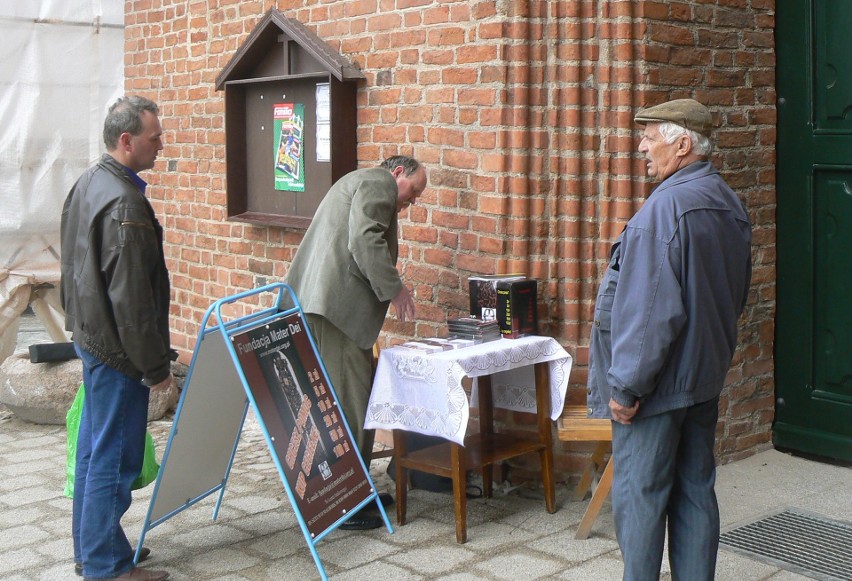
[
  {"x": 110, "y": 450},
  {"x": 664, "y": 474}
]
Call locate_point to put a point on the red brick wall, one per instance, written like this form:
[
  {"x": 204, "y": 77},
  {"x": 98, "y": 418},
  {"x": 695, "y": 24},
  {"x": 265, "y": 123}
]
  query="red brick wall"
[{"x": 522, "y": 113}]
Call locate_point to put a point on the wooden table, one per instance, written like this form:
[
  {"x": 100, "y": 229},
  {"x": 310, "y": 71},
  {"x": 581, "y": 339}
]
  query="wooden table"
[{"x": 394, "y": 406}]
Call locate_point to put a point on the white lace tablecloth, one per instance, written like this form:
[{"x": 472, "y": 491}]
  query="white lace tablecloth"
[{"x": 420, "y": 392}]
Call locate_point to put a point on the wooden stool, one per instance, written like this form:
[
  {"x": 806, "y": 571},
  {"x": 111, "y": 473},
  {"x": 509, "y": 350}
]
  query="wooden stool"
[{"x": 574, "y": 426}]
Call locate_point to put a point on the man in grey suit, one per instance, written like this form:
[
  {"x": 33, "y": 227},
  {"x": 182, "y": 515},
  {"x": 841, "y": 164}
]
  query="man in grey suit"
[
  {"x": 345, "y": 277},
  {"x": 664, "y": 333}
]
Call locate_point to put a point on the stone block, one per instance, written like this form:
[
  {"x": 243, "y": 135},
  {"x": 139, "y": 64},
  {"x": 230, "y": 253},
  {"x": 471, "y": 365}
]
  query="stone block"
[{"x": 41, "y": 393}]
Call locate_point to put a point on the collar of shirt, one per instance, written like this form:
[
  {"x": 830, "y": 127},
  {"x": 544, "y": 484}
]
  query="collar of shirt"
[{"x": 140, "y": 183}]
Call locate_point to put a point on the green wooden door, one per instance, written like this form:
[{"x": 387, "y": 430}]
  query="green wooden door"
[{"x": 813, "y": 345}]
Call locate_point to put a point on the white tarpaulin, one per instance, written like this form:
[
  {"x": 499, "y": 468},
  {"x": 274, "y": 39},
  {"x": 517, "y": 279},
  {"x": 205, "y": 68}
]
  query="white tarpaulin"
[{"x": 61, "y": 66}]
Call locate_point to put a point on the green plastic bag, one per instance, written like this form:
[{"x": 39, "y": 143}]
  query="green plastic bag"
[{"x": 150, "y": 467}]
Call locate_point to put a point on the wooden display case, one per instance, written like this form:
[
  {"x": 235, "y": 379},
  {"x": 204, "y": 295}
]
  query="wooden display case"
[{"x": 284, "y": 63}]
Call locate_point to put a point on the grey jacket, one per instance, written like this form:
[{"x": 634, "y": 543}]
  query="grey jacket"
[
  {"x": 345, "y": 267},
  {"x": 665, "y": 326},
  {"x": 115, "y": 285}
]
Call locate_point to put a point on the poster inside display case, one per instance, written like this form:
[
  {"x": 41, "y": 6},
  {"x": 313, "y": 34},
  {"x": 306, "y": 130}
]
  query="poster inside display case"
[{"x": 289, "y": 124}]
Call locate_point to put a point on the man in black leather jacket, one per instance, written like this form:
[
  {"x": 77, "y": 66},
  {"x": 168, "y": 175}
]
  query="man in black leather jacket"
[{"x": 115, "y": 292}]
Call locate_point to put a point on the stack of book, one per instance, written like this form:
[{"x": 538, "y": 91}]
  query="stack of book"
[
  {"x": 473, "y": 329},
  {"x": 511, "y": 299}
]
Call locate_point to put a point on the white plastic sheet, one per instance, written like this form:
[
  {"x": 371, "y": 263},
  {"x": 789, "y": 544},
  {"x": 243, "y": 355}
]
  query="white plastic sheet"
[{"x": 61, "y": 67}]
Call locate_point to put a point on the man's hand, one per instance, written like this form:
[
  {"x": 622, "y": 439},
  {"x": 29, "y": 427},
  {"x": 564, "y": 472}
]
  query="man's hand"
[
  {"x": 622, "y": 414},
  {"x": 403, "y": 304},
  {"x": 163, "y": 385}
]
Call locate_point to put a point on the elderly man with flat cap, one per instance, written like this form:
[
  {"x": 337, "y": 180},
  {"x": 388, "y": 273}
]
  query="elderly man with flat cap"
[{"x": 664, "y": 334}]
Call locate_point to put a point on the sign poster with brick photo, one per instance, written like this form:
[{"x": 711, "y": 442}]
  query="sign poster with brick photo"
[
  {"x": 303, "y": 420},
  {"x": 289, "y": 124}
]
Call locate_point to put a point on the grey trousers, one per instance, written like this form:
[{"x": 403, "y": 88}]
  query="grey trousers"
[
  {"x": 349, "y": 369},
  {"x": 664, "y": 474}
]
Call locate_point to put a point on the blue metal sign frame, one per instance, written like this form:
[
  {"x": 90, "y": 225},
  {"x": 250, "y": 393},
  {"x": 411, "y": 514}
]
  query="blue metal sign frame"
[{"x": 173, "y": 481}]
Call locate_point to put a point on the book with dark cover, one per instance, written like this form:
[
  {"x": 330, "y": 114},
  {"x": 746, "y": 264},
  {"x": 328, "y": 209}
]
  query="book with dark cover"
[
  {"x": 483, "y": 294},
  {"x": 517, "y": 308}
]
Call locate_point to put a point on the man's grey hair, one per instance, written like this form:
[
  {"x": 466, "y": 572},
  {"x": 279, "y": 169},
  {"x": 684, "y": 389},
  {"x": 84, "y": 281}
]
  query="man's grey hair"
[
  {"x": 701, "y": 144},
  {"x": 409, "y": 164},
  {"x": 125, "y": 116}
]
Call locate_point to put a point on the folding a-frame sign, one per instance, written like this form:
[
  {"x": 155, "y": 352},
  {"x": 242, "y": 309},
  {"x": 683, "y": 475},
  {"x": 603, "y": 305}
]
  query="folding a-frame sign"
[{"x": 272, "y": 355}]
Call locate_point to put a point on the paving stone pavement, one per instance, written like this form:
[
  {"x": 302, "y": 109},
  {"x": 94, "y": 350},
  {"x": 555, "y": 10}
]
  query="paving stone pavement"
[{"x": 256, "y": 537}]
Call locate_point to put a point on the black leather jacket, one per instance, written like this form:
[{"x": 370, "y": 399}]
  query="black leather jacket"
[{"x": 115, "y": 286}]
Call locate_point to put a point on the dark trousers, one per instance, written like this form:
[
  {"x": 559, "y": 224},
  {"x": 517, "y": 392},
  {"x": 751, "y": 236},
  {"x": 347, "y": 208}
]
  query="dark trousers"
[
  {"x": 664, "y": 477},
  {"x": 349, "y": 368}
]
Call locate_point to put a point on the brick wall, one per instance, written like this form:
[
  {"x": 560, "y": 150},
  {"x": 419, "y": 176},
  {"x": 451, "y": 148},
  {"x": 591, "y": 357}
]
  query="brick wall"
[{"x": 522, "y": 113}]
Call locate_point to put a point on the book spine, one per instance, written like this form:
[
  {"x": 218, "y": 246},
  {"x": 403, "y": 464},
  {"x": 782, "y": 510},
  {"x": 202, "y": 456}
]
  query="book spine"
[
  {"x": 517, "y": 314},
  {"x": 524, "y": 300},
  {"x": 473, "y": 292},
  {"x": 527, "y": 310},
  {"x": 504, "y": 313}
]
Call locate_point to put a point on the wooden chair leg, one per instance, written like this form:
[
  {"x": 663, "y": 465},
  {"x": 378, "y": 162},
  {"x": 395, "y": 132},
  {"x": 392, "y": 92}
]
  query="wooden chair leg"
[
  {"x": 487, "y": 481},
  {"x": 542, "y": 391},
  {"x": 598, "y": 498},
  {"x": 399, "y": 450},
  {"x": 486, "y": 427},
  {"x": 547, "y": 479},
  {"x": 591, "y": 470},
  {"x": 459, "y": 491}
]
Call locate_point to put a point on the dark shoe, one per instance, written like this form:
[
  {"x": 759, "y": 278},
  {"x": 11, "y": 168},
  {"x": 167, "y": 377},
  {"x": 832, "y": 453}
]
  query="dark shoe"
[
  {"x": 361, "y": 523},
  {"x": 137, "y": 574},
  {"x": 386, "y": 499},
  {"x": 143, "y": 554}
]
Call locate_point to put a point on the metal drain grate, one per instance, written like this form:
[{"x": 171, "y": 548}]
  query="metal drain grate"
[{"x": 797, "y": 541}]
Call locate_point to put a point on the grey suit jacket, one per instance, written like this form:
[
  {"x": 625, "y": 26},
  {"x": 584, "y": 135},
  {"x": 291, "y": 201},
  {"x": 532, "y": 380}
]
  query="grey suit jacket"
[{"x": 345, "y": 267}]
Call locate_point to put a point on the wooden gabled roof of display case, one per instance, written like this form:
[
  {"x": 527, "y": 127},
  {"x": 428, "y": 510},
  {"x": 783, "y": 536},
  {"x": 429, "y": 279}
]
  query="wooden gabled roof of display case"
[{"x": 266, "y": 53}]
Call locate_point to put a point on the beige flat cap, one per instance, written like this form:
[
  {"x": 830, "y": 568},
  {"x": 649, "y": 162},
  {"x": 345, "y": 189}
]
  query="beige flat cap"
[{"x": 687, "y": 113}]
